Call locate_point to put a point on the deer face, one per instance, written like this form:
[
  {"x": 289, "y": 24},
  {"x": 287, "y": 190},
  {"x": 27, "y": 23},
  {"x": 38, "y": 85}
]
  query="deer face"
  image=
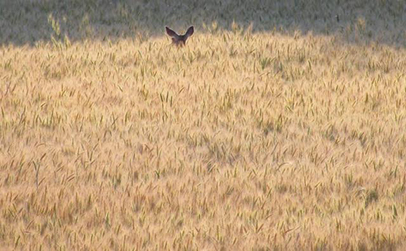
[{"x": 179, "y": 40}]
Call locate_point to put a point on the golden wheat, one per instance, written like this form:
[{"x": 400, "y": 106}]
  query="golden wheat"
[{"x": 239, "y": 141}]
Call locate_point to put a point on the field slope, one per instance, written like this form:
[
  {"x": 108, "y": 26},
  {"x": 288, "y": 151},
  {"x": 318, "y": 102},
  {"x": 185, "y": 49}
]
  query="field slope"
[{"x": 245, "y": 139}]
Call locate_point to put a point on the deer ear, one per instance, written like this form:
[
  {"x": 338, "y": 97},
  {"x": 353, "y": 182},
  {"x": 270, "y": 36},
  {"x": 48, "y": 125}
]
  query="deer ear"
[
  {"x": 190, "y": 31},
  {"x": 170, "y": 32}
]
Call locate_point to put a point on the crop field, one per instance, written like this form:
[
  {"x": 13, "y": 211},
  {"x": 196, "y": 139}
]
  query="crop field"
[{"x": 281, "y": 125}]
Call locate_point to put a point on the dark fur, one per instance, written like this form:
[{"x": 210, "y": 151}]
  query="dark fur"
[{"x": 180, "y": 40}]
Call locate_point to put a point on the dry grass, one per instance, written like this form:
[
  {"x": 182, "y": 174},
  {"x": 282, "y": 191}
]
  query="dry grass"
[{"x": 239, "y": 141}]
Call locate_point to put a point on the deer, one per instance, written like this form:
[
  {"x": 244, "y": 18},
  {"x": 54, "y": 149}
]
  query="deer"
[{"x": 179, "y": 40}]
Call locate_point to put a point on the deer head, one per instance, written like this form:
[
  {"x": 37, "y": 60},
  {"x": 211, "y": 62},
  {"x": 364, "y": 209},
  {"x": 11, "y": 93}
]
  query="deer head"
[{"x": 179, "y": 40}]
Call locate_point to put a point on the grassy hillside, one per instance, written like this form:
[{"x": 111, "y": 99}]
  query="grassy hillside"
[{"x": 266, "y": 132}]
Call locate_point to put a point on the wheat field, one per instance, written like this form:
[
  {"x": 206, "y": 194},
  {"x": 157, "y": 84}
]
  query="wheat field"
[{"x": 265, "y": 132}]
